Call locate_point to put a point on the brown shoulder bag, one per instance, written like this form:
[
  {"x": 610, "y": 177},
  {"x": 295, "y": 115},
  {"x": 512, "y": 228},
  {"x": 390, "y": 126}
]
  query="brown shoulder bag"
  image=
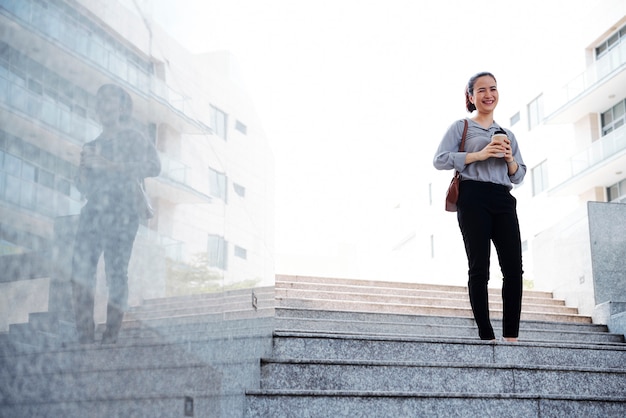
[{"x": 453, "y": 190}]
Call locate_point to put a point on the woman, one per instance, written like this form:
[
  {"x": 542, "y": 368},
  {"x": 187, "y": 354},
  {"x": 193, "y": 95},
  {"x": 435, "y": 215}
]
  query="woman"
[
  {"x": 111, "y": 167},
  {"x": 486, "y": 211}
]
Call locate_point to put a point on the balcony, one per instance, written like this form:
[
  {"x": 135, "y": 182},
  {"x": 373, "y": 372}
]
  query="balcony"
[
  {"x": 593, "y": 91},
  {"x": 600, "y": 165},
  {"x": 174, "y": 184},
  {"x": 68, "y": 47}
]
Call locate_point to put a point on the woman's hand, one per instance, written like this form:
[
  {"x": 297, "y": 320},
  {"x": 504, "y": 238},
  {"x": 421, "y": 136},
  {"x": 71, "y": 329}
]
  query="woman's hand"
[
  {"x": 508, "y": 152},
  {"x": 491, "y": 150}
]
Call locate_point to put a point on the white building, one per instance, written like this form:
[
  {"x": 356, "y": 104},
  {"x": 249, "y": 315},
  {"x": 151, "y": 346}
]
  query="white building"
[{"x": 575, "y": 149}]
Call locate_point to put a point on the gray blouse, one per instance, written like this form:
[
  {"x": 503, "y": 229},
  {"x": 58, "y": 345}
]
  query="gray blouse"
[{"x": 492, "y": 170}]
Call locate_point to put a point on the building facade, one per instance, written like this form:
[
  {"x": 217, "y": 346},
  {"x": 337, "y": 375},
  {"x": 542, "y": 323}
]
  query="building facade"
[
  {"x": 213, "y": 228},
  {"x": 576, "y": 153}
]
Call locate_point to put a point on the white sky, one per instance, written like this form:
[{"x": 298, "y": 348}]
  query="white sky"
[{"x": 354, "y": 95}]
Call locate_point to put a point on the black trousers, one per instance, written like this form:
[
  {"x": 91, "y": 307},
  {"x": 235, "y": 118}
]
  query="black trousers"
[
  {"x": 487, "y": 213},
  {"x": 110, "y": 232}
]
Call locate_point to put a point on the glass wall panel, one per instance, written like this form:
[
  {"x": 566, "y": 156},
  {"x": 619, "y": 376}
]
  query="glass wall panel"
[{"x": 85, "y": 122}]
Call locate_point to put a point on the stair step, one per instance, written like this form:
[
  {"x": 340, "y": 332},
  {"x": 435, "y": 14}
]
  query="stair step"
[
  {"x": 137, "y": 406},
  {"x": 157, "y": 318},
  {"x": 398, "y": 308},
  {"x": 466, "y": 377},
  {"x": 296, "y": 313},
  {"x": 265, "y": 294},
  {"x": 72, "y": 386},
  {"x": 418, "y": 300},
  {"x": 283, "y": 403},
  {"x": 450, "y": 331},
  {"x": 434, "y": 291},
  {"x": 294, "y": 345},
  {"x": 322, "y": 282}
]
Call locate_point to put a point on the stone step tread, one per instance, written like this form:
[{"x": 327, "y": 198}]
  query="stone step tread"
[
  {"x": 340, "y": 404},
  {"x": 132, "y": 319},
  {"x": 419, "y": 309},
  {"x": 317, "y": 280},
  {"x": 265, "y": 361},
  {"x": 413, "y": 300},
  {"x": 470, "y": 377},
  {"x": 429, "y": 395},
  {"x": 261, "y": 293},
  {"x": 167, "y": 405},
  {"x": 618, "y": 349},
  {"x": 195, "y": 309},
  {"x": 405, "y": 348},
  {"x": 403, "y": 318},
  {"x": 206, "y": 305},
  {"x": 93, "y": 359},
  {"x": 397, "y": 287},
  {"x": 462, "y": 297},
  {"x": 527, "y": 334},
  {"x": 77, "y": 385}
]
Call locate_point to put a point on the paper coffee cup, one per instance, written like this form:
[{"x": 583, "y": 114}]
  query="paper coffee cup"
[{"x": 499, "y": 138}]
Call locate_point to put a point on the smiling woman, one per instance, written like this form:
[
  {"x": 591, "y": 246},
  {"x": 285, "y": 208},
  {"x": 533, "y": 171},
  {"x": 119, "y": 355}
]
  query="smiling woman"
[{"x": 486, "y": 209}]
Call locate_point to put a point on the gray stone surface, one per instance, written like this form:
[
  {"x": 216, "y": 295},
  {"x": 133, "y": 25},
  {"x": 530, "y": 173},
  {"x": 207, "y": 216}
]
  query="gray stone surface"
[
  {"x": 214, "y": 364},
  {"x": 439, "y": 377},
  {"x": 289, "y": 345},
  {"x": 316, "y": 363},
  {"x": 607, "y": 234},
  {"x": 405, "y": 405}
]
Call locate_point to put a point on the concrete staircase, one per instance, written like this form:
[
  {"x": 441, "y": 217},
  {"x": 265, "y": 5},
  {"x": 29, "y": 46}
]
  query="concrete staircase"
[
  {"x": 316, "y": 347},
  {"x": 347, "y": 348}
]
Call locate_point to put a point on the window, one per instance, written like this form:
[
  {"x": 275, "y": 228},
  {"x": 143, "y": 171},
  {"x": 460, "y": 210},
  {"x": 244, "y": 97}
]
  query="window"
[
  {"x": 45, "y": 178},
  {"x": 241, "y": 127},
  {"x": 515, "y": 118},
  {"x": 613, "y": 118},
  {"x": 33, "y": 178},
  {"x": 535, "y": 112},
  {"x": 617, "y": 192},
  {"x": 241, "y": 252},
  {"x": 219, "y": 121},
  {"x": 217, "y": 184},
  {"x": 540, "y": 178},
  {"x": 239, "y": 189},
  {"x": 217, "y": 251},
  {"x": 614, "y": 40}
]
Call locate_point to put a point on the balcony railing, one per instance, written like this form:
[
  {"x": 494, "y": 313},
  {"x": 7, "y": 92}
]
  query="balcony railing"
[
  {"x": 173, "y": 169},
  {"x": 46, "y": 110},
  {"x": 111, "y": 57},
  {"x": 600, "y": 151},
  {"x": 173, "y": 249},
  {"x": 587, "y": 80}
]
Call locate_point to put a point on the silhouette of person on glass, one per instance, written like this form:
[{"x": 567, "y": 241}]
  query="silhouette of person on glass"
[{"x": 111, "y": 169}]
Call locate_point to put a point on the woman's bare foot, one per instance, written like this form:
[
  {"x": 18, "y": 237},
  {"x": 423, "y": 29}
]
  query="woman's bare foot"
[{"x": 510, "y": 339}]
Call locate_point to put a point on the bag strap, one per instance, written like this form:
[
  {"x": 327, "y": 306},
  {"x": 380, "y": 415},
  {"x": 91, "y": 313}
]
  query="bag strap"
[{"x": 462, "y": 147}]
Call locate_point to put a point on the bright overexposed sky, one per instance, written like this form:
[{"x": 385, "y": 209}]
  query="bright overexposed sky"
[{"x": 354, "y": 95}]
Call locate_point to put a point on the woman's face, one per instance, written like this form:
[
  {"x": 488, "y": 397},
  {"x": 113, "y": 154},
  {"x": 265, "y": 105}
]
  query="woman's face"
[
  {"x": 108, "y": 107},
  {"x": 485, "y": 96}
]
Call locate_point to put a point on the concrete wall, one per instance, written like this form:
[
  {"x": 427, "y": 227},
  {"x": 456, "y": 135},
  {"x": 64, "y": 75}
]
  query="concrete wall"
[{"x": 607, "y": 233}]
